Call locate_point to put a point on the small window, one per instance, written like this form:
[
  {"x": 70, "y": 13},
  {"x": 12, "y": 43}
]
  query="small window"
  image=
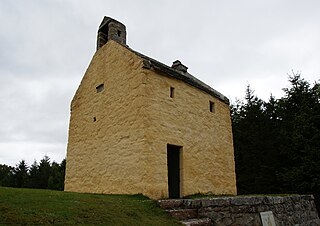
[
  {"x": 171, "y": 92},
  {"x": 119, "y": 33},
  {"x": 100, "y": 88},
  {"x": 94, "y": 119},
  {"x": 211, "y": 106}
]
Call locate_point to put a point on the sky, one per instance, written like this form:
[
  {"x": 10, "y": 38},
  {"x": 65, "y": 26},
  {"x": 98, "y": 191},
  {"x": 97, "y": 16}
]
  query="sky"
[{"x": 46, "y": 46}]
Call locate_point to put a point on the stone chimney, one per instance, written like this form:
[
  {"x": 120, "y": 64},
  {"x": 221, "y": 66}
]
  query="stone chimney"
[
  {"x": 111, "y": 29},
  {"x": 177, "y": 65}
]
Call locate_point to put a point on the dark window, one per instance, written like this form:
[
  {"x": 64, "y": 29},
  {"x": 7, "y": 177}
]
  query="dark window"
[
  {"x": 94, "y": 119},
  {"x": 171, "y": 92},
  {"x": 100, "y": 88},
  {"x": 211, "y": 106},
  {"x": 119, "y": 33}
]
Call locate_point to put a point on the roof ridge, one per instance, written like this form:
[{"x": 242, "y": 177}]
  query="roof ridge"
[{"x": 184, "y": 76}]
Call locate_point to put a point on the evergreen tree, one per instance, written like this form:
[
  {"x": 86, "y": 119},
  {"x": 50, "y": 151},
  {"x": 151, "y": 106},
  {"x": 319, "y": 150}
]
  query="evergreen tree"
[
  {"x": 63, "y": 172},
  {"x": 20, "y": 175},
  {"x": 277, "y": 143},
  {"x": 300, "y": 150},
  {"x": 34, "y": 178},
  {"x": 253, "y": 144},
  {"x": 56, "y": 179},
  {"x": 44, "y": 172},
  {"x": 44, "y": 175},
  {"x": 6, "y": 176}
]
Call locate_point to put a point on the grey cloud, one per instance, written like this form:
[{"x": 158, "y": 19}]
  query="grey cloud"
[{"x": 46, "y": 46}]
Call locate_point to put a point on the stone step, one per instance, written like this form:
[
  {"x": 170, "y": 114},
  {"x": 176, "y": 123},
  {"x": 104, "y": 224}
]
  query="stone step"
[
  {"x": 168, "y": 204},
  {"x": 246, "y": 210},
  {"x": 183, "y": 214},
  {"x": 197, "y": 222}
]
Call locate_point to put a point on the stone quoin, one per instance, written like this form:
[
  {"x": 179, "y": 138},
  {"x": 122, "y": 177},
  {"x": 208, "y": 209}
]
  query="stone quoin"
[{"x": 140, "y": 126}]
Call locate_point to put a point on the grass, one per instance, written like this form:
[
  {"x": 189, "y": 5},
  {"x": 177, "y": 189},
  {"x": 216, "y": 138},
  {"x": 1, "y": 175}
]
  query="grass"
[{"x": 47, "y": 207}]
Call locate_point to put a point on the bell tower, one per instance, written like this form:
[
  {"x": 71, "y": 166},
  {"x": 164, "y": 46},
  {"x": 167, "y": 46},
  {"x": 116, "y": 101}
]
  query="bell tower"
[{"x": 111, "y": 29}]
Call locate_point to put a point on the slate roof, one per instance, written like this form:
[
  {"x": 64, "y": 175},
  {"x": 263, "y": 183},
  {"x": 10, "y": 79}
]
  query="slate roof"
[
  {"x": 150, "y": 63},
  {"x": 177, "y": 71}
]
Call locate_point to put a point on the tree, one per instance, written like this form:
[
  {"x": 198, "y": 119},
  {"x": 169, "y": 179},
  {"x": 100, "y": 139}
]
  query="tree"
[
  {"x": 56, "y": 179},
  {"x": 44, "y": 175},
  {"x": 34, "y": 178},
  {"x": 63, "y": 172},
  {"x": 44, "y": 172},
  {"x": 20, "y": 174},
  {"x": 6, "y": 176},
  {"x": 277, "y": 143},
  {"x": 253, "y": 123},
  {"x": 300, "y": 150}
]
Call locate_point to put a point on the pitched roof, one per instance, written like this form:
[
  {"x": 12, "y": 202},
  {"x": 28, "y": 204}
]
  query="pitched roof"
[
  {"x": 150, "y": 63},
  {"x": 114, "y": 30}
]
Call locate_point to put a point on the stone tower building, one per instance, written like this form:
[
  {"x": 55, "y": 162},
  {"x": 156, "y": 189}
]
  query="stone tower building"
[{"x": 140, "y": 126}]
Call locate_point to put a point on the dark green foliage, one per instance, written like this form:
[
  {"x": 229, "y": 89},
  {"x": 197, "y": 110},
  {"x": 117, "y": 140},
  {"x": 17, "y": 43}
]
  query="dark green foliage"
[
  {"x": 20, "y": 175},
  {"x": 277, "y": 143},
  {"x": 45, "y": 175},
  {"x": 301, "y": 129},
  {"x": 56, "y": 178},
  {"x": 6, "y": 175},
  {"x": 255, "y": 139},
  {"x": 34, "y": 179},
  {"x": 44, "y": 172}
]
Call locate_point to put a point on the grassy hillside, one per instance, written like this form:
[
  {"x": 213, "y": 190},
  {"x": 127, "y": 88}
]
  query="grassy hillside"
[{"x": 45, "y": 207}]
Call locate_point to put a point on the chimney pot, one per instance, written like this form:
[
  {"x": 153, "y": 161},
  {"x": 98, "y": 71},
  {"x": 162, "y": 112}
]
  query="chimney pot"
[{"x": 179, "y": 66}]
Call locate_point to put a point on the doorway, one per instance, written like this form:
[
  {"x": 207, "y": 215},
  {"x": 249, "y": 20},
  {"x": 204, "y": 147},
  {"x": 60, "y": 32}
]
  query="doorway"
[{"x": 174, "y": 164}]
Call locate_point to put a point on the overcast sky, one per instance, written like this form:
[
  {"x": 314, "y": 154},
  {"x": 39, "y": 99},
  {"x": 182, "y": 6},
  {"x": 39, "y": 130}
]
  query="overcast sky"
[{"x": 46, "y": 46}]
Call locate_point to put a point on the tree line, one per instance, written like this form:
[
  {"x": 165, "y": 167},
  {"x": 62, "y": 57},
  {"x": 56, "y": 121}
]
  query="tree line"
[
  {"x": 277, "y": 142},
  {"x": 45, "y": 175}
]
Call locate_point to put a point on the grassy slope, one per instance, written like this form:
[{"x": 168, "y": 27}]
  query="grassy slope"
[{"x": 45, "y": 207}]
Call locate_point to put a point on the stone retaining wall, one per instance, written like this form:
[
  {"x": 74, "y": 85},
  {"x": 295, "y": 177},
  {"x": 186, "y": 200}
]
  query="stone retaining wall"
[{"x": 245, "y": 210}]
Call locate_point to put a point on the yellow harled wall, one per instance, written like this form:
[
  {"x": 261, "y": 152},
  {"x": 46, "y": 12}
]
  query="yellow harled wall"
[
  {"x": 185, "y": 120},
  {"x": 105, "y": 156},
  {"x": 125, "y": 150}
]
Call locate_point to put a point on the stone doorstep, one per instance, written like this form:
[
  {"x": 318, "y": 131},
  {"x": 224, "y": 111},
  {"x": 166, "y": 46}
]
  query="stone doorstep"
[
  {"x": 183, "y": 214},
  {"x": 167, "y": 204},
  {"x": 197, "y": 222}
]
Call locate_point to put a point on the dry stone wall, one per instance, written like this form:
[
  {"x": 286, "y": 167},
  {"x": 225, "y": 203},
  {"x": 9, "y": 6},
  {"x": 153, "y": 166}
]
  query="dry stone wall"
[{"x": 245, "y": 210}]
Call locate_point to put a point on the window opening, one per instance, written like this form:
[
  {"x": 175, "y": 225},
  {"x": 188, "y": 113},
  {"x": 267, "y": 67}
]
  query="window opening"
[
  {"x": 211, "y": 106},
  {"x": 171, "y": 92},
  {"x": 100, "y": 88}
]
